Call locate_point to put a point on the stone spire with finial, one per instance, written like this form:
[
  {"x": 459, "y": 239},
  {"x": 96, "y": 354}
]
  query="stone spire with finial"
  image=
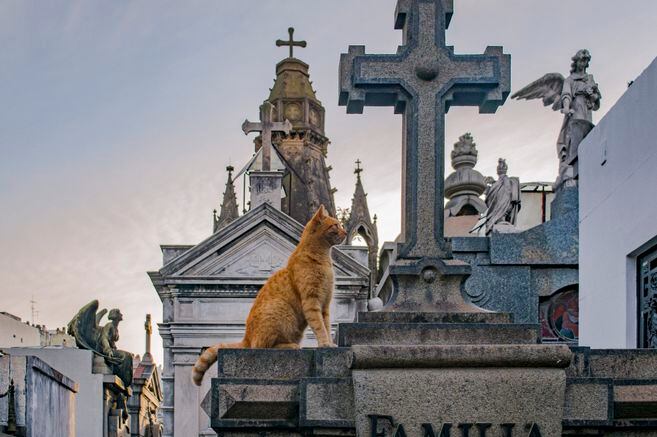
[
  {"x": 304, "y": 147},
  {"x": 361, "y": 223},
  {"x": 464, "y": 186},
  {"x": 229, "y": 209}
]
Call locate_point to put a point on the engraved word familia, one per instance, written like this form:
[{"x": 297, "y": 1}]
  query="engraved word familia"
[{"x": 385, "y": 426}]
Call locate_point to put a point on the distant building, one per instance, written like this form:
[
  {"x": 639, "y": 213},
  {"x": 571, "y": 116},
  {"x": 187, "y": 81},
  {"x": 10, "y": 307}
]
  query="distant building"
[
  {"x": 16, "y": 333},
  {"x": 535, "y": 198}
]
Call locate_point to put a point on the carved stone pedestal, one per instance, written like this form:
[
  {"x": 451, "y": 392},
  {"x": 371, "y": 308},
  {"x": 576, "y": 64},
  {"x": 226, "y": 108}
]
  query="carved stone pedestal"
[
  {"x": 398, "y": 373},
  {"x": 115, "y": 408}
]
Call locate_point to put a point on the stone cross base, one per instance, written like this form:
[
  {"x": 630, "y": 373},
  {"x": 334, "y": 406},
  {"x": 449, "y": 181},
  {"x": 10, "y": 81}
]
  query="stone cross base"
[{"x": 266, "y": 188}]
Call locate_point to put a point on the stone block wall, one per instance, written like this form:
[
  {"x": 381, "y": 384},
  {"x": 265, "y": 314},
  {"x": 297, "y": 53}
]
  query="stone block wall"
[{"x": 44, "y": 398}]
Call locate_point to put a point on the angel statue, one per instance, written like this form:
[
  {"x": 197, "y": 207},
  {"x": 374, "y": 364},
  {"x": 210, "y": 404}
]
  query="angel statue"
[
  {"x": 502, "y": 200},
  {"x": 576, "y": 96},
  {"x": 88, "y": 333}
]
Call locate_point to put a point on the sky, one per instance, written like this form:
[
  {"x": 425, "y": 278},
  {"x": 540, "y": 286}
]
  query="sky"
[{"x": 119, "y": 118}]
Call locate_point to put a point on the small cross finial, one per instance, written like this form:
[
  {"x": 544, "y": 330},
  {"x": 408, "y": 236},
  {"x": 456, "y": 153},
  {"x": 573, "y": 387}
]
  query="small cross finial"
[
  {"x": 358, "y": 169},
  {"x": 291, "y": 42}
]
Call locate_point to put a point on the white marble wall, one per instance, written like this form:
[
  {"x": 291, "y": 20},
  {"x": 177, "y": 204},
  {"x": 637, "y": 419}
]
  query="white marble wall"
[
  {"x": 618, "y": 214},
  {"x": 76, "y": 364}
]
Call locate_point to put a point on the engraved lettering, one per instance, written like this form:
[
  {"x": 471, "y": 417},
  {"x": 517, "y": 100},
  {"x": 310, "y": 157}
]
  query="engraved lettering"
[
  {"x": 445, "y": 430},
  {"x": 507, "y": 429},
  {"x": 400, "y": 431},
  {"x": 534, "y": 430},
  {"x": 374, "y": 424},
  {"x": 465, "y": 429},
  {"x": 482, "y": 428}
]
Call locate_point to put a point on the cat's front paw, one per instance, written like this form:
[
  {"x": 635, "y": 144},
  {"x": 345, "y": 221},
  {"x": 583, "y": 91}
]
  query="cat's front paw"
[{"x": 329, "y": 344}]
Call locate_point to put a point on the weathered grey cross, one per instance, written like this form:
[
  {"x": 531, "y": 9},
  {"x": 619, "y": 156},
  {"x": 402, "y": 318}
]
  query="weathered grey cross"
[
  {"x": 266, "y": 126},
  {"x": 422, "y": 80},
  {"x": 291, "y": 42}
]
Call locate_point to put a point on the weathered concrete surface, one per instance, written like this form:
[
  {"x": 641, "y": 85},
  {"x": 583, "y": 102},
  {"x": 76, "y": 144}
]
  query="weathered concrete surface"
[
  {"x": 487, "y": 355},
  {"x": 350, "y": 334},
  {"x": 45, "y": 398},
  {"x": 433, "y": 317},
  {"x": 265, "y": 363},
  {"x": 77, "y": 365},
  {"x": 326, "y": 402},
  {"x": 461, "y": 395},
  {"x": 254, "y": 403},
  {"x": 588, "y": 400},
  {"x": 555, "y": 242}
]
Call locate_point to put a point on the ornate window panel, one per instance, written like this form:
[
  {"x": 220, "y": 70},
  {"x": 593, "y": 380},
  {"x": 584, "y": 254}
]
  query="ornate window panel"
[{"x": 647, "y": 299}]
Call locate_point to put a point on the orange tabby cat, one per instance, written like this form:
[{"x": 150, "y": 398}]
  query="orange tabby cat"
[{"x": 293, "y": 298}]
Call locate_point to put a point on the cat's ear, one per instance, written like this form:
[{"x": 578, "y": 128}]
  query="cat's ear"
[{"x": 320, "y": 214}]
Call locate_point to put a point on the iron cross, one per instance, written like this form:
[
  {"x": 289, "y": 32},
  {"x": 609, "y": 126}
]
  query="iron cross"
[
  {"x": 291, "y": 42},
  {"x": 266, "y": 126},
  {"x": 421, "y": 81}
]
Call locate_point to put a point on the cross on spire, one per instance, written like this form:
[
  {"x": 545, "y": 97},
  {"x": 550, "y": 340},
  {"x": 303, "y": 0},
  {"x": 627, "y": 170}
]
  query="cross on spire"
[
  {"x": 358, "y": 169},
  {"x": 291, "y": 42}
]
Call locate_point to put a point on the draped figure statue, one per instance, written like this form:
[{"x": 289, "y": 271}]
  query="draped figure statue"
[{"x": 502, "y": 200}]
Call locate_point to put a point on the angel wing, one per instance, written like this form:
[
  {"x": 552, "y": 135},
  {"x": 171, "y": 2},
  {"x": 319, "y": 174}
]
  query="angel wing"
[
  {"x": 83, "y": 326},
  {"x": 548, "y": 88},
  {"x": 100, "y": 315}
]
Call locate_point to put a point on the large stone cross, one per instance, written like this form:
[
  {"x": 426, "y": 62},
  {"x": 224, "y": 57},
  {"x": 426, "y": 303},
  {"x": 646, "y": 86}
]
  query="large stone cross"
[
  {"x": 266, "y": 126},
  {"x": 422, "y": 80}
]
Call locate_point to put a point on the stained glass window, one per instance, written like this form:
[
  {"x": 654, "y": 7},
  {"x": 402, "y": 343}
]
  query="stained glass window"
[{"x": 559, "y": 316}]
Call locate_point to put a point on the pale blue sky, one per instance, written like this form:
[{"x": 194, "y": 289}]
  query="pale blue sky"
[{"x": 118, "y": 119}]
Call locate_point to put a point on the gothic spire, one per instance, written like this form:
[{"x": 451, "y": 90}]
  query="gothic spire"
[
  {"x": 359, "y": 209},
  {"x": 360, "y": 223},
  {"x": 229, "y": 210}
]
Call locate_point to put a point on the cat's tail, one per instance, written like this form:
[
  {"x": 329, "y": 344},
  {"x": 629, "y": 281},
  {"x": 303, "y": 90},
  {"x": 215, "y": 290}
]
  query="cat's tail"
[{"x": 208, "y": 358}]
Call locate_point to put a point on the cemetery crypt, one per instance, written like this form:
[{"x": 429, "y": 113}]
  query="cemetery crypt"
[{"x": 467, "y": 324}]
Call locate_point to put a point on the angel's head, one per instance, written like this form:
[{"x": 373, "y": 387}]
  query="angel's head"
[
  {"x": 501, "y": 167},
  {"x": 115, "y": 314},
  {"x": 580, "y": 61}
]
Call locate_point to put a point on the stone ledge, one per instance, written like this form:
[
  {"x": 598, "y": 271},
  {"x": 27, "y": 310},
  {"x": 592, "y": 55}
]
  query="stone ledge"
[
  {"x": 40, "y": 365},
  {"x": 635, "y": 399},
  {"x": 469, "y": 244},
  {"x": 424, "y": 317},
  {"x": 372, "y": 357},
  {"x": 279, "y": 363},
  {"x": 350, "y": 334},
  {"x": 253, "y": 403}
]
